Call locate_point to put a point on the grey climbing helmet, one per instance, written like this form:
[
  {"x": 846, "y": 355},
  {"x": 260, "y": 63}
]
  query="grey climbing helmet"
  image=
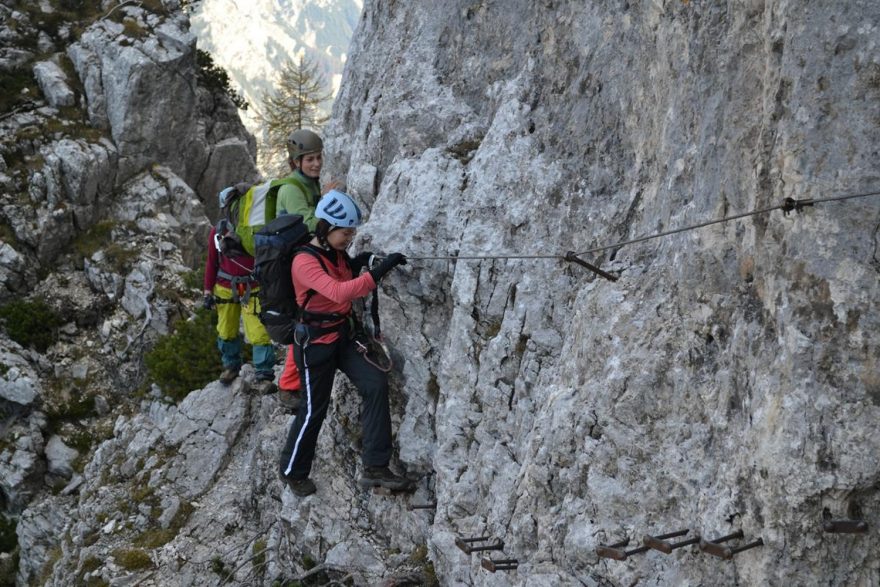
[
  {"x": 302, "y": 142},
  {"x": 339, "y": 210}
]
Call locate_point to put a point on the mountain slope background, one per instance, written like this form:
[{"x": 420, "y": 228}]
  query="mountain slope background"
[{"x": 253, "y": 39}]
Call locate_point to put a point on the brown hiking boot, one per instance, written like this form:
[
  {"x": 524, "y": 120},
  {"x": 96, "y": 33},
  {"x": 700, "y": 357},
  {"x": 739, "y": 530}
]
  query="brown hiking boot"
[
  {"x": 228, "y": 376},
  {"x": 290, "y": 399},
  {"x": 301, "y": 487}
]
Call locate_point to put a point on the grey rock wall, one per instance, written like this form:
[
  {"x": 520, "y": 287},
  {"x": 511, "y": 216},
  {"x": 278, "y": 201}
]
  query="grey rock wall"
[{"x": 728, "y": 380}]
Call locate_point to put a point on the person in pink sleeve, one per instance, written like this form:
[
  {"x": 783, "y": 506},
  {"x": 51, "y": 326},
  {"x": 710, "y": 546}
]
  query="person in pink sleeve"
[{"x": 326, "y": 281}]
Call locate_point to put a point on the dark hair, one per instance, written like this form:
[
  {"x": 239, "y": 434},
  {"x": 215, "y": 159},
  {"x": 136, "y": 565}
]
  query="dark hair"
[{"x": 322, "y": 229}]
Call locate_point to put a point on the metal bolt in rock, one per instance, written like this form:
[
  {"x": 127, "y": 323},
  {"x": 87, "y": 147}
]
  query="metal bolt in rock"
[
  {"x": 845, "y": 526},
  {"x": 469, "y": 545},
  {"x": 715, "y": 548},
  {"x": 492, "y": 565},
  {"x": 615, "y": 551},
  {"x": 663, "y": 545}
]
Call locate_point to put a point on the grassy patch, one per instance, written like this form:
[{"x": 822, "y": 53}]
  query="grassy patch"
[
  {"x": 120, "y": 258},
  {"x": 90, "y": 241},
  {"x": 99, "y": 237},
  {"x": 419, "y": 557},
  {"x": 259, "y": 554},
  {"x": 54, "y": 556},
  {"x": 133, "y": 29},
  {"x": 91, "y": 563},
  {"x": 132, "y": 559},
  {"x": 156, "y": 537},
  {"x": 30, "y": 323},
  {"x": 186, "y": 359},
  {"x": 59, "y": 412},
  {"x": 154, "y": 6}
]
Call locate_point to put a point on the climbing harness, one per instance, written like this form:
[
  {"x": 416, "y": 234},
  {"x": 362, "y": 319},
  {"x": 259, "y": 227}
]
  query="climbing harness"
[{"x": 788, "y": 205}]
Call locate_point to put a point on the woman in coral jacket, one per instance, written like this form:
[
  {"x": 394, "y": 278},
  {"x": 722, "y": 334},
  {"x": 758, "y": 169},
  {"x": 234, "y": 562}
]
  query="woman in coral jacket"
[{"x": 325, "y": 283}]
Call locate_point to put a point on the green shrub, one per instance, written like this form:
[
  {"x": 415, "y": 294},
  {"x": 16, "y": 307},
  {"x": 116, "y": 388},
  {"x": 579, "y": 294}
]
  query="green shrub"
[
  {"x": 187, "y": 359},
  {"x": 8, "y": 538},
  {"x": 7, "y": 235},
  {"x": 215, "y": 78},
  {"x": 30, "y": 323},
  {"x": 13, "y": 82},
  {"x": 132, "y": 559},
  {"x": 194, "y": 279},
  {"x": 218, "y": 566},
  {"x": 9, "y": 570},
  {"x": 57, "y": 413}
]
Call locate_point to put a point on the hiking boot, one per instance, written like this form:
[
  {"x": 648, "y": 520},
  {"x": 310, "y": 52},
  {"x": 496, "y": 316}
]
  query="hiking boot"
[
  {"x": 289, "y": 399},
  {"x": 383, "y": 477},
  {"x": 228, "y": 376},
  {"x": 301, "y": 487},
  {"x": 263, "y": 386}
]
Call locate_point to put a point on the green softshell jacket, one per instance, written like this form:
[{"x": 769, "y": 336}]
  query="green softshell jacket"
[{"x": 300, "y": 197}]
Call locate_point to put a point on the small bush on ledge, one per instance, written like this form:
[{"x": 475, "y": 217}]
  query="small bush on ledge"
[{"x": 30, "y": 323}]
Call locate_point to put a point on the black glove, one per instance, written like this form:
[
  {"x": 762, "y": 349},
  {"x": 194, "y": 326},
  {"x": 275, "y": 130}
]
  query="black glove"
[
  {"x": 209, "y": 302},
  {"x": 387, "y": 264},
  {"x": 360, "y": 261}
]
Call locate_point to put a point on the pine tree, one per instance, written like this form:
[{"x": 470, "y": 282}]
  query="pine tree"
[{"x": 294, "y": 103}]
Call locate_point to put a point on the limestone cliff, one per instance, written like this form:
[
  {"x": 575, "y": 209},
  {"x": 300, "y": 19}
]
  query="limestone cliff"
[{"x": 729, "y": 379}]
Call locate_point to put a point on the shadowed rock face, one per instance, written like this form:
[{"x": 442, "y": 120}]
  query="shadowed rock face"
[{"x": 727, "y": 381}]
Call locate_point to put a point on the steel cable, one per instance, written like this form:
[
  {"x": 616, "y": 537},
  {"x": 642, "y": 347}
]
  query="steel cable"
[{"x": 788, "y": 205}]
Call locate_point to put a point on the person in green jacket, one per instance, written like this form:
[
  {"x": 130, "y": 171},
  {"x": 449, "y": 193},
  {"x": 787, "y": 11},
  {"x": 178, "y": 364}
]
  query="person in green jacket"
[
  {"x": 304, "y": 149},
  {"x": 305, "y": 157}
]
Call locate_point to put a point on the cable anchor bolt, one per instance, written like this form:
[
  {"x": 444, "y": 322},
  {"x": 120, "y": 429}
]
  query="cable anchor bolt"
[
  {"x": 790, "y": 204},
  {"x": 663, "y": 545},
  {"x": 572, "y": 257}
]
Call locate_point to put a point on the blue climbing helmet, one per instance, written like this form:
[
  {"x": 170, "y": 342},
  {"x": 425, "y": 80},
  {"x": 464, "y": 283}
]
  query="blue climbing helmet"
[{"x": 339, "y": 210}]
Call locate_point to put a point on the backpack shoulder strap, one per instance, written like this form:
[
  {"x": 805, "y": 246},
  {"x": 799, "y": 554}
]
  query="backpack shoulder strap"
[{"x": 317, "y": 255}]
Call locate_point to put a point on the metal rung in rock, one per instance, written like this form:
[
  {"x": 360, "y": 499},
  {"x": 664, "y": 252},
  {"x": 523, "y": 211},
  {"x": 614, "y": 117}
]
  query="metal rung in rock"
[
  {"x": 492, "y": 565},
  {"x": 469, "y": 545},
  {"x": 663, "y": 545},
  {"x": 845, "y": 526},
  {"x": 615, "y": 551},
  {"x": 715, "y": 548}
]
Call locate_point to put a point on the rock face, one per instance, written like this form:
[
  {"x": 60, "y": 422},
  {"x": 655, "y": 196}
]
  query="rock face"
[
  {"x": 142, "y": 86},
  {"x": 728, "y": 380}
]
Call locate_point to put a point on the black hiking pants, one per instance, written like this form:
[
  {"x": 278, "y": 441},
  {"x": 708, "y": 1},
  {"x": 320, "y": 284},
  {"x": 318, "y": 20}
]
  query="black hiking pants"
[{"x": 317, "y": 364}]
